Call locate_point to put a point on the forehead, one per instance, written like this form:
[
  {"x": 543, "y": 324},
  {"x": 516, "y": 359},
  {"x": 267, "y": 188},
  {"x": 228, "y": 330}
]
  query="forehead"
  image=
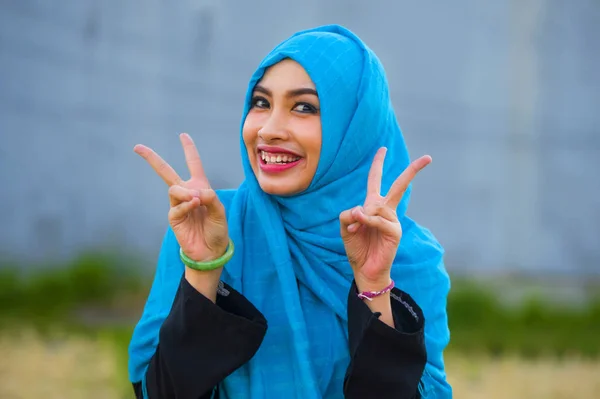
[{"x": 286, "y": 74}]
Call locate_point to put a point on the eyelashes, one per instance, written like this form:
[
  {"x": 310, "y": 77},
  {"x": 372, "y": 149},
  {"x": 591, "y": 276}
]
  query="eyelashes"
[
  {"x": 307, "y": 108},
  {"x": 260, "y": 102}
]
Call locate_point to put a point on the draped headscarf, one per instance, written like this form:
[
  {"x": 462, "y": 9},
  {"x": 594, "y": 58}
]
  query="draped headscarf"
[{"x": 290, "y": 260}]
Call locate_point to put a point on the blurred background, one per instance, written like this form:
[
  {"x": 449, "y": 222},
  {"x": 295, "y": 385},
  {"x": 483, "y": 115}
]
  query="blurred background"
[{"x": 504, "y": 95}]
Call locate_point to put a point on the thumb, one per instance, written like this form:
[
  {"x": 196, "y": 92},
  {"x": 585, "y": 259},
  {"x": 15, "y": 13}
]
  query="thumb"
[
  {"x": 214, "y": 207},
  {"x": 348, "y": 222}
]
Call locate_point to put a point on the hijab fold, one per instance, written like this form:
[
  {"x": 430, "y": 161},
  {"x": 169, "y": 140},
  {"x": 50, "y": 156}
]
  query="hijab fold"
[{"x": 290, "y": 260}]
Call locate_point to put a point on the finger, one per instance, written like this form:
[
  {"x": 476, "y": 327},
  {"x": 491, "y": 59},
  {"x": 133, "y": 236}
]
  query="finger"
[
  {"x": 377, "y": 222},
  {"x": 179, "y": 212},
  {"x": 192, "y": 157},
  {"x": 394, "y": 196},
  {"x": 347, "y": 217},
  {"x": 376, "y": 171},
  {"x": 214, "y": 207},
  {"x": 160, "y": 166},
  {"x": 348, "y": 222},
  {"x": 381, "y": 209},
  {"x": 353, "y": 228},
  {"x": 179, "y": 194},
  {"x": 351, "y": 219}
]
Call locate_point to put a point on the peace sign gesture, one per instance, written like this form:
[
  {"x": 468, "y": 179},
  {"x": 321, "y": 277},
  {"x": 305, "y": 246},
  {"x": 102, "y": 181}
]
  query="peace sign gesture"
[
  {"x": 197, "y": 217},
  {"x": 372, "y": 232}
]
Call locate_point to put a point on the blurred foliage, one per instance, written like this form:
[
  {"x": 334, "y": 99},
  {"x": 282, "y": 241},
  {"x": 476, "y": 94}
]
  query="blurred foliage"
[
  {"x": 103, "y": 295},
  {"x": 481, "y": 321},
  {"x": 95, "y": 295},
  {"x": 50, "y": 293}
]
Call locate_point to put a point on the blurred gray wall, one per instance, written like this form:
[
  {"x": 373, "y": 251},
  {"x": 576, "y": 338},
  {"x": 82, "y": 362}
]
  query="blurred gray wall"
[{"x": 504, "y": 95}]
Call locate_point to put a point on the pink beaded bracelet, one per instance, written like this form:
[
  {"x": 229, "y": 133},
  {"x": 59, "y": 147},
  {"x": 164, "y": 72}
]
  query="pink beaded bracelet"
[{"x": 369, "y": 295}]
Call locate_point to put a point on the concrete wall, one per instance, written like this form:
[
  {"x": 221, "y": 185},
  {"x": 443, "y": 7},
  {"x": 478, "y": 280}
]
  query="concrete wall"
[{"x": 504, "y": 95}]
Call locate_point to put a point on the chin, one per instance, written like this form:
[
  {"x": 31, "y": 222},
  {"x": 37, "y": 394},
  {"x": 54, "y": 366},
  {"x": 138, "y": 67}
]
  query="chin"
[{"x": 278, "y": 188}]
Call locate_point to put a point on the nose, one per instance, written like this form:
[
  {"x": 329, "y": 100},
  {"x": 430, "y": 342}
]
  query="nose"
[{"x": 274, "y": 129}]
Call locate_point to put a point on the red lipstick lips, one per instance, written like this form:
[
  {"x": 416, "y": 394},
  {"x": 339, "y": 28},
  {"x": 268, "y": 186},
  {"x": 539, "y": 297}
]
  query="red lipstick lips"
[{"x": 275, "y": 167}]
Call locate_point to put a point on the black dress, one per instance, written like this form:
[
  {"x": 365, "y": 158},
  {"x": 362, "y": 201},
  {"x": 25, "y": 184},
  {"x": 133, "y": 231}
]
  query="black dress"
[{"x": 201, "y": 343}]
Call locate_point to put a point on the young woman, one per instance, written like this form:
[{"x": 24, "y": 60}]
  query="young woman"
[{"x": 309, "y": 280}]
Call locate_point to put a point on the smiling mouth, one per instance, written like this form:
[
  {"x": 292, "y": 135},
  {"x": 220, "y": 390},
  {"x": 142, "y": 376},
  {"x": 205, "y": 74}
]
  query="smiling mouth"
[
  {"x": 271, "y": 162},
  {"x": 270, "y": 158}
]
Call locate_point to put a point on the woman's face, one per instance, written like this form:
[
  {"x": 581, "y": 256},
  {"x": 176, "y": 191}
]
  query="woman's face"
[{"x": 282, "y": 131}]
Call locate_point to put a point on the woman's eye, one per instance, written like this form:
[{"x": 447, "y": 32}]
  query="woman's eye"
[
  {"x": 305, "y": 108},
  {"x": 259, "y": 102}
]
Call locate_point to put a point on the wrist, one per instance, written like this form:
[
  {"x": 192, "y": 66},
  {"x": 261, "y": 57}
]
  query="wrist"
[
  {"x": 207, "y": 265},
  {"x": 364, "y": 284},
  {"x": 206, "y": 282},
  {"x": 381, "y": 303},
  {"x": 203, "y": 255},
  {"x": 377, "y": 296}
]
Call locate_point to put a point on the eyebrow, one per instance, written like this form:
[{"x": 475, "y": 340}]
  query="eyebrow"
[{"x": 289, "y": 93}]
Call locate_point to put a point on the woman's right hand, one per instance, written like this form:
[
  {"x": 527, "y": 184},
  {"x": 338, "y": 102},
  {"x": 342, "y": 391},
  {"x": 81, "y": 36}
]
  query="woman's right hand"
[{"x": 197, "y": 217}]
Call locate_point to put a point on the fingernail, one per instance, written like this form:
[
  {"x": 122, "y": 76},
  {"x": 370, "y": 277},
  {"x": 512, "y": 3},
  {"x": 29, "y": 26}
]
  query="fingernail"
[{"x": 195, "y": 193}]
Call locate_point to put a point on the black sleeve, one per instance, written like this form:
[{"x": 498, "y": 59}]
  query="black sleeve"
[
  {"x": 201, "y": 343},
  {"x": 385, "y": 362}
]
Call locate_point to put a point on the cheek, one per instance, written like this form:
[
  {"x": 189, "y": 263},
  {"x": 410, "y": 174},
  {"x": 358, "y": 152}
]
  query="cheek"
[
  {"x": 312, "y": 141},
  {"x": 247, "y": 133},
  {"x": 250, "y": 131}
]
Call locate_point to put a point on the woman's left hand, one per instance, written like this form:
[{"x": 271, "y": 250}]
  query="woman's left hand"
[{"x": 372, "y": 232}]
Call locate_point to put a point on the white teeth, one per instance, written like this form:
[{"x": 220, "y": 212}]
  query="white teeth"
[{"x": 277, "y": 158}]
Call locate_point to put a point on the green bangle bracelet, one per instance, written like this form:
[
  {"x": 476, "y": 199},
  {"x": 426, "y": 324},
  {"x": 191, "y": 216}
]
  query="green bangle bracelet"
[{"x": 211, "y": 264}]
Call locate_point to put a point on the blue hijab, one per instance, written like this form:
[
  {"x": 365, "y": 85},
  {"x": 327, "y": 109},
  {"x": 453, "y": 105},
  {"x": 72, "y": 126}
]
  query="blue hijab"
[{"x": 290, "y": 260}]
